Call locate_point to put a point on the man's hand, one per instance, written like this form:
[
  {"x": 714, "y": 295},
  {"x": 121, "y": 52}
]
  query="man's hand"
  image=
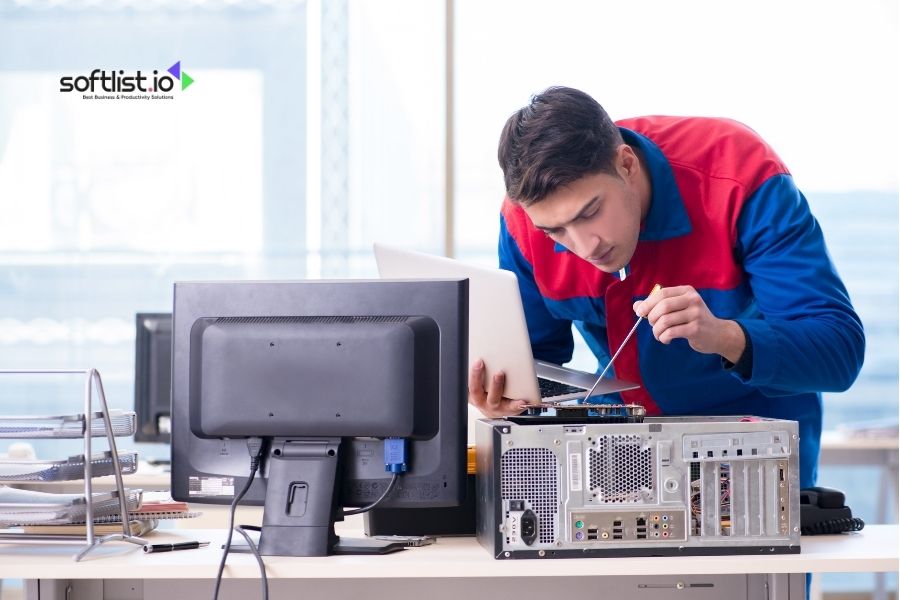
[
  {"x": 680, "y": 312},
  {"x": 491, "y": 401}
]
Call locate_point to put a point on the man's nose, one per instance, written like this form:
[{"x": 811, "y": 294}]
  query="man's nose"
[{"x": 583, "y": 241}]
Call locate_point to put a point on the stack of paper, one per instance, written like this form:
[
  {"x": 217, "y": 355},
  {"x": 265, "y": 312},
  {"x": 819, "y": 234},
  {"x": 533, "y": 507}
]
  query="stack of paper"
[{"x": 26, "y": 507}]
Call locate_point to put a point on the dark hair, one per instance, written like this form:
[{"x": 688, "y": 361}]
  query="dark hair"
[{"x": 559, "y": 137}]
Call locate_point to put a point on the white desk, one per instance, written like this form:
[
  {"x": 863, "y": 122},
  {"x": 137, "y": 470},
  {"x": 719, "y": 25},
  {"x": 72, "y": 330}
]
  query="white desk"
[
  {"x": 451, "y": 569},
  {"x": 839, "y": 449}
]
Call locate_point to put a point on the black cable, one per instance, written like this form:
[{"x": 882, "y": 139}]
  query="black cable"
[
  {"x": 256, "y": 448},
  {"x": 363, "y": 509},
  {"x": 833, "y": 526},
  {"x": 259, "y": 560}
]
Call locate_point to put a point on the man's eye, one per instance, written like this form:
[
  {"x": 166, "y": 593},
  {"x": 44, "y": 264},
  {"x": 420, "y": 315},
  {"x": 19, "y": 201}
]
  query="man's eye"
[
  {"x": 553, "y": 233},
  {"x": 586, "y": 217}
]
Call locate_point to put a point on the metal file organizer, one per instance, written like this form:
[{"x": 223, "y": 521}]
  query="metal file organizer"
[
  {"x": 66, "y": 469},
  {"x": 68, "y": 508}
]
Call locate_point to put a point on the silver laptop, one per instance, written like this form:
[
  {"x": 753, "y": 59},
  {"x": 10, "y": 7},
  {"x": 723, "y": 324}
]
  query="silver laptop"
[{"x": 498, "y": 333}]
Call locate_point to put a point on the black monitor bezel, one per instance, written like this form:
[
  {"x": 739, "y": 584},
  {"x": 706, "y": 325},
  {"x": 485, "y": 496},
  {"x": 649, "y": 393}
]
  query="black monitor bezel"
[{"x": 143, "y": 355}]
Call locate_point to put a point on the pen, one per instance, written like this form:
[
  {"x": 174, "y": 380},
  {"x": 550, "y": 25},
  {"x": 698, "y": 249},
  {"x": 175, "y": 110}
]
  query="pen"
[{"x": 148, "y": 548}]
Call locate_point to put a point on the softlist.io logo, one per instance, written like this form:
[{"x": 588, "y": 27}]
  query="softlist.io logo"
[{"x": 121, "y": 85}]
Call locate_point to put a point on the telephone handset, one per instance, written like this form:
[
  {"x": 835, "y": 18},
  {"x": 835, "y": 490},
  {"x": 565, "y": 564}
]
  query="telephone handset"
[{"x": 822, "y": 512}]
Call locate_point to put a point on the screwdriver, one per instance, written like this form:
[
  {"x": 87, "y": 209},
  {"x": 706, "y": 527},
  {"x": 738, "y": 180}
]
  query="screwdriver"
[{"x": 655, "y": 289}]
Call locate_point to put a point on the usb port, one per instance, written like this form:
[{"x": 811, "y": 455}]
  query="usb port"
[
  {"x": 642, "y": 536},
  {"x": 617, "y": 536}
]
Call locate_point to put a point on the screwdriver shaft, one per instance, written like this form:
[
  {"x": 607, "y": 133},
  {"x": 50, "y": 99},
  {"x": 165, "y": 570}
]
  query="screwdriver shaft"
[{"x": 655, "y": 289}]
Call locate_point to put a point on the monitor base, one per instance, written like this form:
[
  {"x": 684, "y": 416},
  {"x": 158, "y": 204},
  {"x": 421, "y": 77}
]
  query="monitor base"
[{"x": 345, "y": 546}]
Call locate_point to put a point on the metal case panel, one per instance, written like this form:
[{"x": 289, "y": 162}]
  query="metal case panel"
[{"x": 667, "y": 486}]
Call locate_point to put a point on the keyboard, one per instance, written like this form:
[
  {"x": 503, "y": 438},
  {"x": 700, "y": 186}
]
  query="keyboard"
[{"x": 550, "y": 388}]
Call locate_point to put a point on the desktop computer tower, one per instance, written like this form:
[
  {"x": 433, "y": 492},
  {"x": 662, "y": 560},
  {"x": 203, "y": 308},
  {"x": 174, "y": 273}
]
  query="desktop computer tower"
[{"x": 659, "y": 486}]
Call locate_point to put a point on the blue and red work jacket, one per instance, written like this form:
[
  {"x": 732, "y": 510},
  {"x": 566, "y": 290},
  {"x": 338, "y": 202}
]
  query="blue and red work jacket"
[{"x": 726, "y": 218}]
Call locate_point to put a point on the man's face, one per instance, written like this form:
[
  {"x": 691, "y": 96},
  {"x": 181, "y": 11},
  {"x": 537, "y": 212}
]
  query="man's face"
[{"x": 597, "y": 217}]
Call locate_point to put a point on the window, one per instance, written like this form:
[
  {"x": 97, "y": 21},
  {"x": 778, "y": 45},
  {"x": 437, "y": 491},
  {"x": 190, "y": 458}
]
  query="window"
[{"x": 311, "y": 130}]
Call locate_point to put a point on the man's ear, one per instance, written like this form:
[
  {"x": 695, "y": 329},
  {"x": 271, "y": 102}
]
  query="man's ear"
[{"x": 627, "y": 163}]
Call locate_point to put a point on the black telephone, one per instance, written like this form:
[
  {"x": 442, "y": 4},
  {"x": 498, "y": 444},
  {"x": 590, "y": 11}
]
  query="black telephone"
[{"x": 822, "y": 512}]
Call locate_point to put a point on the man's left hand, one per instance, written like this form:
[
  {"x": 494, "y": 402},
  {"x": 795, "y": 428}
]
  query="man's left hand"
[{"x": 680, "y": 312}]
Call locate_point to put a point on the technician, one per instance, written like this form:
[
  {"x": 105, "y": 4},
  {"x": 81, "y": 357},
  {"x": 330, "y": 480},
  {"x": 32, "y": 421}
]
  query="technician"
[{"x": 752, "y": 318}]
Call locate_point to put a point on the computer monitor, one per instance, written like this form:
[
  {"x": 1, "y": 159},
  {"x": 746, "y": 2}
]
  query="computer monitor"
[
  {"x": 153, "y": 377},
  {"x": 324, "y": 372}
]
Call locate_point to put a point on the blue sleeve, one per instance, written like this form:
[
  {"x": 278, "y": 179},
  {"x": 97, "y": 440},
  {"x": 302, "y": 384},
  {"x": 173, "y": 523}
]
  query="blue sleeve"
[
  {"x": 551, "y": 338},
  {"x": 809, "y": 338}
]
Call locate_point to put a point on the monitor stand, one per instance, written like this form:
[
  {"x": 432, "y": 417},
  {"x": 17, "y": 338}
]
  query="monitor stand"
[{"x": 301, "y": 502}]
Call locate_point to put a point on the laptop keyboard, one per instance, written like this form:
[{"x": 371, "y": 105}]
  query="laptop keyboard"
[{"x": 550, "y": 388}]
